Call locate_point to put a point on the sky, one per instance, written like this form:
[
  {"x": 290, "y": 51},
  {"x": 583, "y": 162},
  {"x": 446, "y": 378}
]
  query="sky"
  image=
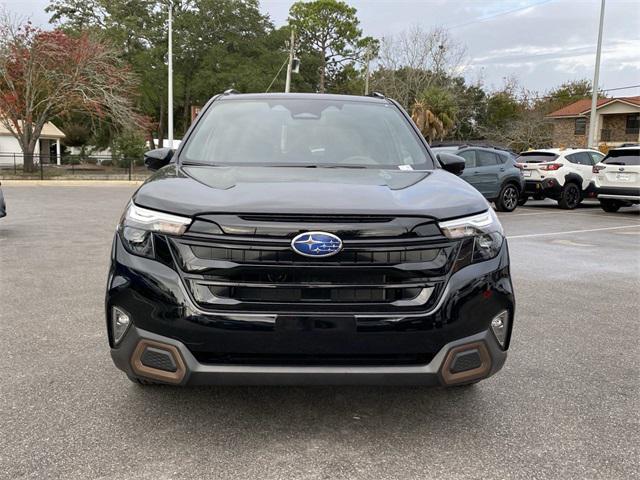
[{"x": 541, "y": 43}]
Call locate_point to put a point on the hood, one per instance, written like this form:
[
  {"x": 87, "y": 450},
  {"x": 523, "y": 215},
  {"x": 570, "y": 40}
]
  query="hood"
[{"x": 192, "y": 190}]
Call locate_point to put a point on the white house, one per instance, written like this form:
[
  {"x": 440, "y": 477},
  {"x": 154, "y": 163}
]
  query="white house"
[{"x": 11, "y": 152}]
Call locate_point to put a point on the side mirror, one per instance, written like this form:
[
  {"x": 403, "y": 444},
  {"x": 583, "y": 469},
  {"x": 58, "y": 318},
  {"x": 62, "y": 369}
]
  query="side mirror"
[
  {"x": 158, "y": 158},
  {"x": 451, "y": 163}
]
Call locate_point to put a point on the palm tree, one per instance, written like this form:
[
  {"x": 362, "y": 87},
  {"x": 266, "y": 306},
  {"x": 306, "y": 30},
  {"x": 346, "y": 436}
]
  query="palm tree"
[{"x": 434, "y": 113}]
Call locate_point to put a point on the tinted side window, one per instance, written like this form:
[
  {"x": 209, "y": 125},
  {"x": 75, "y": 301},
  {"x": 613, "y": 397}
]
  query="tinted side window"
[
  {"x": 585, "y": 158},
  {"x": 573, "y": 158},
  {"x": 486, "y": 159},
  {"x": 503, "y": 157},
  {"x": 596, "y": 157},
  {"x": 469, "y": 158}
]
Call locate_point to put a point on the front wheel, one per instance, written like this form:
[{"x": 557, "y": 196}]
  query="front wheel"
[
  {"x": 610, "y": 206},
  {"x": 570, "y": 197},
  {"x": 507, "y": 201}
]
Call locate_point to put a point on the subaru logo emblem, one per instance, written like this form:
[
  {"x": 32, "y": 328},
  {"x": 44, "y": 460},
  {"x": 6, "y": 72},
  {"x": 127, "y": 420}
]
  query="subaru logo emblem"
[{"x": 316, "y": 244}]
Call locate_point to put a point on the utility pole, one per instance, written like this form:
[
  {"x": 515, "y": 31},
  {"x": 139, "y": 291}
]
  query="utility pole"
[
  {"x": 366, "y": 78},
  {"x": 287, "y": 85},
  {"x": 594, "y": 94},
  {"x": 170, "y": 79}
]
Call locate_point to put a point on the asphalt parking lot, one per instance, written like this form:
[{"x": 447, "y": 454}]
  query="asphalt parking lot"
[{"x": 566, "y": 404}]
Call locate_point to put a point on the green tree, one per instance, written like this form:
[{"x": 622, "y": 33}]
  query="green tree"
[
  {"x": 471, "y": 103},
  {"x": 565, "y": 94},
  {"x": 435, "y": 112},
  {"x": 218, "y": 44},
  {"x": 502, "y": 107},
  {"x": 44, "y": 74},
  {"x": 331, "y": 31}
]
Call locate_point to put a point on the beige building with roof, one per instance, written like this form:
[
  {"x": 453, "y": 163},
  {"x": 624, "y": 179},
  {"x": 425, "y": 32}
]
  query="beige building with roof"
[
  {"x": 47, "y": 147},
  {"x": 617, "y": 122}
]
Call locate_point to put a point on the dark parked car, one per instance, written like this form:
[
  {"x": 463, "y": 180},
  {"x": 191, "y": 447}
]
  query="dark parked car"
[
  {"x": 302, "y": 238},
  {"x": 493, "y": 172},
  {"x": 3, "y": 206}
]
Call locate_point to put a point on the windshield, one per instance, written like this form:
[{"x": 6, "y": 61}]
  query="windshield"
[
  {"x": 444, "y": 149},
  {"x": 536, "y": 157},
  {"x": 305, "y": 132}
]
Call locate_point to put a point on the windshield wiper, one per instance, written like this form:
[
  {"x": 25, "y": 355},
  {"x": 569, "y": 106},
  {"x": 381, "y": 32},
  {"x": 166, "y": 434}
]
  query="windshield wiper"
[
  {"x": 199, "y": 164},
  {"x": 345, "y": 166}
]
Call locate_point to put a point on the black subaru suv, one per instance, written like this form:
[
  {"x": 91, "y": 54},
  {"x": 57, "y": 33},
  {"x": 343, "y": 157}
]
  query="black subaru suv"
[{"x": 304, "y": 238}]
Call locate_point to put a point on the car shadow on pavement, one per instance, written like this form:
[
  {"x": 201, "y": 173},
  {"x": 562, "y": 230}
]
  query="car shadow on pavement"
[{"x": 273, "y": 411}]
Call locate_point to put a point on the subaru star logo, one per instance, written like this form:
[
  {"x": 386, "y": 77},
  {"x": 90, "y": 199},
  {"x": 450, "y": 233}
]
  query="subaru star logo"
[{"x": 316, "y": 244}]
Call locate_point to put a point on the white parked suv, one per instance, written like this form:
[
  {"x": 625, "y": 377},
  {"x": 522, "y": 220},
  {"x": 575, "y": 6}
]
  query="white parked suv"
[
  {"x": 616, "y": 180},
  {"x": 563, "y": 174}
]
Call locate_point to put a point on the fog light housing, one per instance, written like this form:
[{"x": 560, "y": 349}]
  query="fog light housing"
[
  {"x": 120, "y": 323},
  {"x": 500, "y": 327}
]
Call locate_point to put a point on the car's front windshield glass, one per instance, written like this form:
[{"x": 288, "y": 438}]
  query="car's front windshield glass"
[{"x": 305, "y": 132}]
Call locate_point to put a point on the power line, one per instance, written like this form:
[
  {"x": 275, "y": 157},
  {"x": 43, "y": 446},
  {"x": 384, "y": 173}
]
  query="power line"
[
  {"x": 274, "y": 78},
  {"x": 499, "y": 14},
  {"x": 620, "y": 88}
]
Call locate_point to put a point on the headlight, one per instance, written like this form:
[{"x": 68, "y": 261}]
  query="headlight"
[
  {"x": 137, "y": 225},
  {"x": 482, "y": 237}
]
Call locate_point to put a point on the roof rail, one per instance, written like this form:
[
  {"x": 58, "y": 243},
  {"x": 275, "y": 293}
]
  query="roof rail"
[
  {"x": 376, "y": 95},
  {"x": 231, "y": 91}
]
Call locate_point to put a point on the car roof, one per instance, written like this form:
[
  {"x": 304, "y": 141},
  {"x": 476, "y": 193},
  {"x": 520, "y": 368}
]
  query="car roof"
[
  {"x": 630, "y": 147},
  {"x": 560, "y": 151},
  {"x": 303, "y": 96},
  {"x": 466, "y": 146}
]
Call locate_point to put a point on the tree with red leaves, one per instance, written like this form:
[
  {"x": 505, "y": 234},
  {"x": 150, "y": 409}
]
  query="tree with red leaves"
[{"x": 47, "y": 74}]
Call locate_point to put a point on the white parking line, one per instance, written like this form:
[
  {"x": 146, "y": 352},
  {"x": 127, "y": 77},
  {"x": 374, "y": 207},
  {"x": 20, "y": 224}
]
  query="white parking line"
[
  {"x": 563, "y": 212},
  {"x": 570, "y": 231}
]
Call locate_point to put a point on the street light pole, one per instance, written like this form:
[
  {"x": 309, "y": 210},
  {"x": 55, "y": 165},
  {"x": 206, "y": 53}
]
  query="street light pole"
[
  {"x": 596, "y": 78},
  {"x": 287, "y": 85},
  {"x": 170, "y": 79},
  {"x": 366, "y": 78}
]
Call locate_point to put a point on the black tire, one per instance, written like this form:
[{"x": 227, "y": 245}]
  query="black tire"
[
  {"x": 465, "y": 385},
  {"x": 141, "y": 381},
  {"x": 522, "y": 200},
  {"x": 610, "y": 206},
  {"x": 570, "y": 197},
  {"x": 507, "y": 200}
]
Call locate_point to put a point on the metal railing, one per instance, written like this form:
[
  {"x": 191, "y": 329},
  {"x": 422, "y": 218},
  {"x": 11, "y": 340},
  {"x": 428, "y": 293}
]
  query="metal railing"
[{"x": 45, "y": 167}]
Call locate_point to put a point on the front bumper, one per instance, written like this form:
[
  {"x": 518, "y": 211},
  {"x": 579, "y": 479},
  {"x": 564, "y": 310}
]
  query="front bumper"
[
  {"x": 192, "y": 372},
  {"x": 162, "y": 312}
]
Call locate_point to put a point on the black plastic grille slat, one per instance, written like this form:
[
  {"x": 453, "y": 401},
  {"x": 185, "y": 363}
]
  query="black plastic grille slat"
[
  {"x": 303, "y": 219},
  {"x": 273, "y": 256},
  {"x": 306, "y": 360},
  {"x": 334, "y": 295},
  {"x": 257, "y": 273},
  {"x": 283, "y": 276}
]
